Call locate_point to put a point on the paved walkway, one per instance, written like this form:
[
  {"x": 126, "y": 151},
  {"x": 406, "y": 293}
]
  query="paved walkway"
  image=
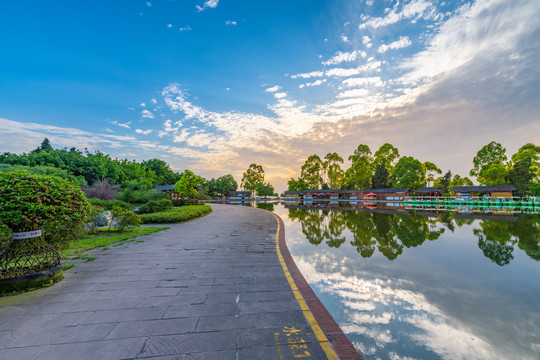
[{"x": 208, "y": 289}]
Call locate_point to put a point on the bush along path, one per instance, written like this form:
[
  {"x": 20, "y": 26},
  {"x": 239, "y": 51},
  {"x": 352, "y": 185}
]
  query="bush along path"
[{"x": 176, "y": 214}]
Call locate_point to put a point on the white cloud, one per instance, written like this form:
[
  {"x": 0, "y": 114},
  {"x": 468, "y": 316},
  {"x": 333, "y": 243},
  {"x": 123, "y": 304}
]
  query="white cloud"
[
  {"x": 366, "y": 41},
  {"x": 169, "y": 26},
  {"x": 280, "y": 95},
  {"x": 147, "y": 114},
  {"x": 124, "y": 125},
  {"x": 414, "y": 9},
  {"x": 185, "y": 28},
  {"x": 353, "y": 93},
  {"x": 315, "y": 83},
  {"x": 341, "y": 72},
  {"x": 403, "y": 42},
  {"x": 345, "y": 39},
  {"x": 308, "y": 75},
  {"x": 148, "y": 4},
  {"x": 142, "y": 104},
  {"x": 363, "y": 81},
  {"x": 144, "y": 132},
  {"x": 340, "y": 57},
  {"x": 228, "y": 89},
  {"x": 228, "y": 22},
  {"x": 208, "y": 4},
  {"x": 154, "y": 101},
  {"x": 273, "y": 88}
]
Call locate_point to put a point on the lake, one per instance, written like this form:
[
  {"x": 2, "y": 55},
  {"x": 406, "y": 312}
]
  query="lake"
[{"x": 406, "y": 284}]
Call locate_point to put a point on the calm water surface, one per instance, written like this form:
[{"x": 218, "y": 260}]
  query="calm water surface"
[{"x": 411, "y": 285}]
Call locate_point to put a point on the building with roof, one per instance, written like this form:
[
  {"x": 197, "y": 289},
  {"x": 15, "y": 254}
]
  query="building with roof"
[{"x": 493, "y": 191}]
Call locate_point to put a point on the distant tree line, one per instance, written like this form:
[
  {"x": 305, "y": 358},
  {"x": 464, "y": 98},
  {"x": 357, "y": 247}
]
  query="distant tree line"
[{"x": 386, "y": 168}]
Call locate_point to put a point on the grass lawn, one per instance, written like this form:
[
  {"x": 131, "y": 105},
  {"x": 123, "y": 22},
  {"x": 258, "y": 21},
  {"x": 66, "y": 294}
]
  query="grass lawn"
[{"x": 104, "y": 238}]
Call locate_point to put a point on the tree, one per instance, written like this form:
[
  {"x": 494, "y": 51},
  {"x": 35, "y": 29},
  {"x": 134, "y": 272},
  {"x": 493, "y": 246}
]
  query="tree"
[
  {"x": 265, "y": 190},
  {"x": 188, "y": 185},
  {"x": 431, "y": 169},
  {"x": 253, "y": 177},
  {"x": 334, "y": 171},
  {"x": 459, "y": 181},
  {"x": 164, "y": 174},
  {"x": 445, "y": 183},
  {"x": 45, "y": 146},
  {"x": 521, "y": 176},
  {"x": 408, "y": 172},
  {"x": 312, "y": 171},
  {"x": 493, "y": 174},
  {"x": 359, "y": 175},
  {"x": 380, "y": 177},
  {"x": 388, "y": 154},
  {"x": 489, "y": 154},
  {"x": 297, "y": 185},
  {"x": 221, "y": 185}
]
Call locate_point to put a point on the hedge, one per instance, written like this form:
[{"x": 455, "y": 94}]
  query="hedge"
[{"x": 176, "y": 215}]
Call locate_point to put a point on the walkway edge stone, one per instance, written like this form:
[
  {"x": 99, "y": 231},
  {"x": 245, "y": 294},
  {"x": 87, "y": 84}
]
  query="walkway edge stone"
[{"x": 342, "y": 346}]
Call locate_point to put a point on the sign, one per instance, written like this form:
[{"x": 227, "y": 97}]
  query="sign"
[{"x": 27, "y": 234}]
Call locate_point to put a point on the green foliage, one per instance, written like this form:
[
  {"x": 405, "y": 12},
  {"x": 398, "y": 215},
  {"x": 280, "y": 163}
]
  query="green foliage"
[
  {"x": 39, "y": 202},
  {"x": 252, "y": 177},
  {"x": 431, "y": 170},
  {"x": 139, "y": 191},
  {"x": 122, "y": 218},
  {"x": 176, "y": 215},
  {"x": 188, "y": 185},
  {"x": 265, "y": 189},
  {"x": 77, "y": 181},
  {"x": 521, "y": 176},
  {"x": 380, "y": 177},
  {"x": 408, "y": 172},
  {"x": 155, "y": 206},
  {"x": 93, "y": 166},
  {"x": 445, "y": 183},
  {"x": 312, "y": 172},
  {"x": 164, "y": 174},
  {"x": 98, "y": 217},
  {"x": 184, "y": 202},
  {"x": 297, "y": 185},
  {"x": 493, "y": 174},
  {"x": 221, "y": 185},
  {"x": 492, "y": 153},
  {"x": 108, "y": 204},
  {"x": 333, "y": 170},
  {"x": 359, "y": 175},
  {"x": 459, "y": 181},
  {"x": 388, "y": 154}
]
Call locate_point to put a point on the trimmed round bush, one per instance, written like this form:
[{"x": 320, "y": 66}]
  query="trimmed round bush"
[{"x": 40, "y": 202}]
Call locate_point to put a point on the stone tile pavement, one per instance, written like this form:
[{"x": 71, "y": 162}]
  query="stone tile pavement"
[{"x": 208, "y": 289}]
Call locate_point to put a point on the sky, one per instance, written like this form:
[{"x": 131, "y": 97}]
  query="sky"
[{"x": 213, "y": 86}]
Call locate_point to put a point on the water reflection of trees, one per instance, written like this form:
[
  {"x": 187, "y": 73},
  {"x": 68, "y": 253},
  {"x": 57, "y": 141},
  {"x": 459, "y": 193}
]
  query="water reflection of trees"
[
  {"x": 497, "y": 239},
  {"x": 391, "y": 233}
]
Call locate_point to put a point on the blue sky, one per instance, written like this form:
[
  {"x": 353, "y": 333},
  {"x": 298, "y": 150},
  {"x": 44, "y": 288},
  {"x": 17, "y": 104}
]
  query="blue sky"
[{"x": 216, "y": 85}]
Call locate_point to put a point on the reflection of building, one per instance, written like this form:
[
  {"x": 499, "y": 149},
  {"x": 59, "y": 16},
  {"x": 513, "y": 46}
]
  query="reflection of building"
[
  {"x": 239, "y": 195},
  {"x": 168, "y": 190},
  {"x": 336, "y": 194},
  {"x": 493, "y": 191}
]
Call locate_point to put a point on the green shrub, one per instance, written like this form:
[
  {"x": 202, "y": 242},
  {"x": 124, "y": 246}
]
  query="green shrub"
[
  {"x": 122, "y": 218},
  {"x": 155, "y": 206},
  {"x": 176, "y": 215},
  {"x": 78, "y": 181},
  {"x": 98, "y": 217},
  {"x": 40, "y": 202},
  {"x": 139, "y": 196},
  {"x": 108, "y": 204},
  {"x": 184, "y": 202}
]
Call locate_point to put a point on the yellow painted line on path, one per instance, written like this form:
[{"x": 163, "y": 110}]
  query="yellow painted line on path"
[{"x": 323, "y": 340}]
